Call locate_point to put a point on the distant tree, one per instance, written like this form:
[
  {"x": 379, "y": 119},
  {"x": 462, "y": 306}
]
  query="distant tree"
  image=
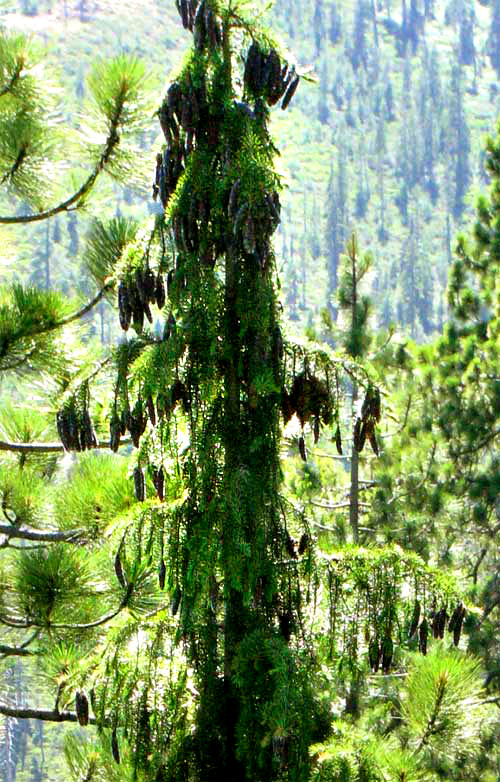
[
  {"x": 335, "y": 26},
  {"x": 356, "y": 47},
  {"x": 494, "y": 36},
  {"x": 338, "y": 90},
  {"x": 458, "y": 140},
  {"x": 336, "y": 224},
  {"x": 433, "y": 70},
  {"x": 380, "y": 149},
  {"x": 407, "y": 81},
  {"x": 467, "y": 51},
  {"x": 389, "y": 98},
  {"x": 29, "y": 7},
  {"x": 40, "y": 275},
  {"x": 318, "y": 24},
  {"x": 363, "y": 187},
  {"x": 323, "y": 110},
  {"x": 72, "y": 226}
]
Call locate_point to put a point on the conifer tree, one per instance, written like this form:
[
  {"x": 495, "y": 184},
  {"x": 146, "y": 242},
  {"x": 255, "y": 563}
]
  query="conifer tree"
[{"x": 190, "y": 630}]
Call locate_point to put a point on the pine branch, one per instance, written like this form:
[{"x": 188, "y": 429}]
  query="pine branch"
[
  {"x": 14, "y": 651},
  {"x": 90, "y": 625},
  {"x": 28, "y": 533},
  {"x": 21, "y": 650},
  {"x": 430, "y": 729},
  {"x": 77, "y": 198},
  {"x": 475, "y": 448},
  {"x": 337, "y": 505},
  {"x": 16, "y": 75},
  {"x": 11, "y": 621},
  {"x": 46, "y": 447},
  {"x": 79, "y": 313},
  {"x": 42, "y": 714}
]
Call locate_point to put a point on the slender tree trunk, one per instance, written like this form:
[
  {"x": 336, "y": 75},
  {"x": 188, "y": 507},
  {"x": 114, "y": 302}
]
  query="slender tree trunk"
[
  {"x": 47, "y": 259},
  {"x": 354, "y": 491}
]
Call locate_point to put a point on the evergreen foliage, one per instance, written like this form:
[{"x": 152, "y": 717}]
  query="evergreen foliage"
[{"x": 200, "y": 638}]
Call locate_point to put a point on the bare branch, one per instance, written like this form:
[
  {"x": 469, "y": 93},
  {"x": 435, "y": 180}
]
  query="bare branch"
[
  {"x": 14, "y": 651},
  {"x": 11, "y": 621},
  {"x": 46, "y": 447},
  {"x": 337, "y": 505},
  {"x": 45, "y": 536},
  {"x": 42, "y": 714}
]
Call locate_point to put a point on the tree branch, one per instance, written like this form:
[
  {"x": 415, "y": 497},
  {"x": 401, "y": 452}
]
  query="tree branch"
[
  {"x": 46, "y": 447},
  {"x": 42, "y": 714},
  {"x": 13, "y": 79},
  {"x": 112, "y": 141},
  {"x": 46, "y": 536},
  {"x": 14, "y": 651},
  {"x": 475, "y": 448},
  {"x": 11, "y": 621},
  {"x": 335, "y": 506},
  {"x": 75, "y": 315}
]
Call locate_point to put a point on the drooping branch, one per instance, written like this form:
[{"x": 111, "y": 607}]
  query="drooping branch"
[
  {"x": 42, "y": 714},
  {"x": 90, "y": 625}
]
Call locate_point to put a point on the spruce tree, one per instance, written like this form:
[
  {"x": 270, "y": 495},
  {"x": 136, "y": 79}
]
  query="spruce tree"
[{"x": 193, "y": 630}]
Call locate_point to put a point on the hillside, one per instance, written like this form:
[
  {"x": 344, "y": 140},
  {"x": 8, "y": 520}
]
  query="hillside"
[{"x": 389, "y": 141}]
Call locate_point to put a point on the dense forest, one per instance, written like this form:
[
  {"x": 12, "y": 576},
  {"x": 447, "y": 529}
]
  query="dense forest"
[{"x": 249, "y": 391}]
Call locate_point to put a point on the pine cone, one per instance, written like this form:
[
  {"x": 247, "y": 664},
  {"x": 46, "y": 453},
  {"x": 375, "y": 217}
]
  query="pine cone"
[
  {"x": 162, "y": 570},
  {"x": 423, "y": 634},
  {"x": 115, "y": 751},
  {"x": 82, "y": 708},
  {"x": 290, "y": 93},
  {"x": 176, "y": 600},
  {"x": 387, "y": 653},
  {"x": 150, "y": 407},
  {"x": 290, "y": 547},
  {"x": 139, "y": 484},
  {"x": 119, "y": 570},
  {"x": 304, "y": 543},
  {"x": 415, "y": 619},
  {"x": 124, "y": 308},
  {"x": 338, "y": 440},
  {"x": 374, "y": 655},
  {"x": 160, "y": 483}
]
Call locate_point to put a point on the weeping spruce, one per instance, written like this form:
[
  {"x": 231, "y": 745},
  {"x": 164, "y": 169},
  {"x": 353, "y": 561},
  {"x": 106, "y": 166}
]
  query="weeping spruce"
[
  {"x": 193, "y": 631},
  {"x": 221, "y": 362}
]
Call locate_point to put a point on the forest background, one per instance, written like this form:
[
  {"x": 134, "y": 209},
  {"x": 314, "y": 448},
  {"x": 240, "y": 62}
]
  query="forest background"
[{"x": 389, "y": 142}]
